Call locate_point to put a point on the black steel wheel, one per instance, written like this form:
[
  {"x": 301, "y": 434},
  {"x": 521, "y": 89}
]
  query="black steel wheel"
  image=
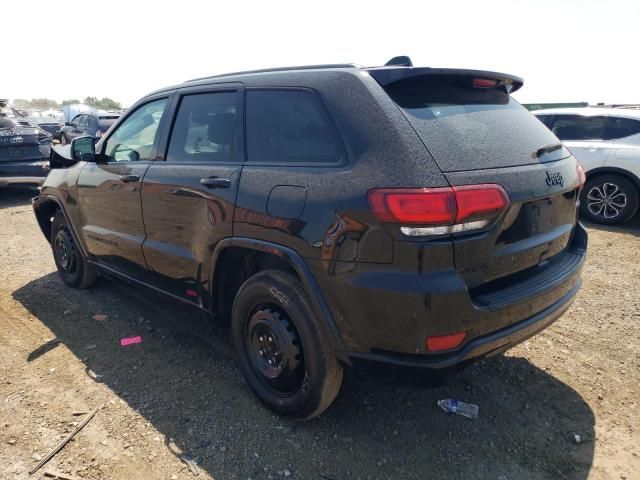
[
  {"x": 275, "y": 349},
  {"x": 283, "y": 349},
  {"x": 609, "y": 199},
  {"x": 65, "y": 251},
  {"x": 74, "y": 270}
]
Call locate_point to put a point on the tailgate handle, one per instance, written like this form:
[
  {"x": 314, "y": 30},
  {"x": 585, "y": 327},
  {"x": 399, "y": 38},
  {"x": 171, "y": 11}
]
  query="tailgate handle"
[
  {"x": 215, "y": 182},
  {"x": 129, "y": 178}
]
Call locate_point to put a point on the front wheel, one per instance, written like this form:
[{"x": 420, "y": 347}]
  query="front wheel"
[
  {"x": 282, "y": 350},
  {"x": 74, "y": 270},
  {"x": 609, "y": 199}
]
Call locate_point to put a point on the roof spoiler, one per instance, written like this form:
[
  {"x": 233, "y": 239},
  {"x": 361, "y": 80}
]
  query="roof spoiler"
[{"x": 393, "y": 72}]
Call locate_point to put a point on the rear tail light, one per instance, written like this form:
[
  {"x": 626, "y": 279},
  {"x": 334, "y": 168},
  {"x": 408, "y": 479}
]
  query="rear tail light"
[
  {"x": 444, "y": 342},
  {"x": 439, "y": 211},
  {"x": 582, "y": 177}
]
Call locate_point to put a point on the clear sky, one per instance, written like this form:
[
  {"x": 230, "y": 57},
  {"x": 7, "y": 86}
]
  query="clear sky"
[{"x": 566, "y": 50}]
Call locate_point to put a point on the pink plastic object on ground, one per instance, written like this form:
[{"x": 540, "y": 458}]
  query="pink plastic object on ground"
[{"x": 130, "y": 340}]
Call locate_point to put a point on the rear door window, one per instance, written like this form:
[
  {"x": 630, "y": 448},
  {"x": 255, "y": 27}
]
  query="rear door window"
[
  {"x": 579, "y": 127},
  {"x": 290, "y": 127},
  {"x": 205, "y": 129},
  {"x": 622, "y": 127}
]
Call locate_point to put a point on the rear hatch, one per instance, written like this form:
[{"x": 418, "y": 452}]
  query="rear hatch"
[
  {"x": 18, "y": 143},
  {"x": 477, "y": 134}
]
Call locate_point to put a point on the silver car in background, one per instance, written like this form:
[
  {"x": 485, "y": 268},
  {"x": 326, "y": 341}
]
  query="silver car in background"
[{"x": 607, "y": 143}]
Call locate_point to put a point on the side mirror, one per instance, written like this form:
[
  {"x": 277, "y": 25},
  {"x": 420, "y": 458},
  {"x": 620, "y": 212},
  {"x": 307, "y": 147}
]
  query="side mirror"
[{"x": 83, "y": 148}]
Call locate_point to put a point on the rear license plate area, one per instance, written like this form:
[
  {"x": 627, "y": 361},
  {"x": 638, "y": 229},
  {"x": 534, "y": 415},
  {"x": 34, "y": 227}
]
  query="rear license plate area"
[{"x": 18, "y": 152}]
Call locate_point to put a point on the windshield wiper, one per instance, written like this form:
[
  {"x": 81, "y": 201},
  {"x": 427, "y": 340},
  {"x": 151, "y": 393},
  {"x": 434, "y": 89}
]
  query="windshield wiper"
[{"x": 552, "y": 147}]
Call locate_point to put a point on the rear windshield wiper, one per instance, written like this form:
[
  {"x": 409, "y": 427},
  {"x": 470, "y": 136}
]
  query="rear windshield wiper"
[{"x": 552, "y": 147}]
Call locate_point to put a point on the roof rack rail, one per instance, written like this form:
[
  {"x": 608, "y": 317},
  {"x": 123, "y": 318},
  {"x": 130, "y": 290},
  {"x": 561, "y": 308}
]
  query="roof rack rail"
[{"x": 279, "y": 69}]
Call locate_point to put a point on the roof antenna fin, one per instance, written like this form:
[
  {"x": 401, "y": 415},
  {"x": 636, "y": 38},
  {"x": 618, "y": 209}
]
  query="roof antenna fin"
[{"x": 401, "y": 61}]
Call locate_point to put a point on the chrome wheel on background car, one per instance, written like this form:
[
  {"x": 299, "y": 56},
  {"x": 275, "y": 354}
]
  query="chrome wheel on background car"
[
  {"x": 606, "y": 200},
  {"x": 609, "y": 199}
]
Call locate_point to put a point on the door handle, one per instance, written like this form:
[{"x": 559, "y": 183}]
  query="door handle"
[
  {"x": 129, "y": 178},
  {"x": 215, "y": 182}
]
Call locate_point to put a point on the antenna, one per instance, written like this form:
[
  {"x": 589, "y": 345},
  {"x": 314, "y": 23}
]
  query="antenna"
[{"x": 401, "y": 61}]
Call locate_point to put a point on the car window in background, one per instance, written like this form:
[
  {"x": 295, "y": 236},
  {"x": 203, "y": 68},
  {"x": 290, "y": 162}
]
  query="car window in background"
[
  {"x": 290, "y": 126},
  {"x": 622, "y": 127},
  {"x": 133, "y": 139},
  {"x": 105, "y": 121},
  {"x": 205, "y": 128},
  {"x": 92, "y": 123},
  {"x": 546, "y": 119},
  {"x": 577, "y": 127}
]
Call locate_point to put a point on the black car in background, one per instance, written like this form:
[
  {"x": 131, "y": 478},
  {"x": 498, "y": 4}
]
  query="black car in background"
[
  {"x": 411, "y": 216},
  {"x": 91, "y": 124},
  {"x": 24, "y": 151},
  {"x": 49, "y": 125},
  {"x": 24, "y": 154}
]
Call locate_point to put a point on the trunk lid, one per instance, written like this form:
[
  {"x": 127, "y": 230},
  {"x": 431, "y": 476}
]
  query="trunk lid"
[
  {"x": 537, "y": 226},
  {"x": 468, "y": 120}
]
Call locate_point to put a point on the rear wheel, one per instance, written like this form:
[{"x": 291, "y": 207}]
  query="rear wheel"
[
  {"x": 74, "y": 270},
  {"x": 282, "y": 350},
  {"x": 609, "y": 199}
]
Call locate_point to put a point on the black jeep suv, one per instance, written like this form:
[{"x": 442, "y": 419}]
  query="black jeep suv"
[{"x": 414, "y": 216}]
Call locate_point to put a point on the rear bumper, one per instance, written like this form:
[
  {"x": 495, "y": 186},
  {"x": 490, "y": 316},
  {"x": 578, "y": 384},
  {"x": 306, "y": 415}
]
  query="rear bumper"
[
  {"x": 480, "y": 347},
  {"x": 23, "y": 173},
  {"x": 384, "y": 313}
]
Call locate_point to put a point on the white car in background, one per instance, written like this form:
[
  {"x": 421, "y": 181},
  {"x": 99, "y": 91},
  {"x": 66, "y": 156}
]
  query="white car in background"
[{"x": 606, "y": 141}]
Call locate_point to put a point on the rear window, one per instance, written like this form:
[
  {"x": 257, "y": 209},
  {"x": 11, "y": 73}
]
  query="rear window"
[
  {"x": 622, "y": 127},
  {"x": 469, "y": 128},
  {"x": 578, "y": 127},
  {"x": 290, "y": 126}
]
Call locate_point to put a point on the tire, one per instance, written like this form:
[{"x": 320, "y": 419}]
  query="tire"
[
  {"x": 272, "y": 320},
  {"x": 73, "y": 268},
  {"x": 609, "y": 199}
]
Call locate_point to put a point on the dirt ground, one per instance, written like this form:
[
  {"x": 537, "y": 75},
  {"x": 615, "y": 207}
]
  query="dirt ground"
[{"x": 178, "y": 394}]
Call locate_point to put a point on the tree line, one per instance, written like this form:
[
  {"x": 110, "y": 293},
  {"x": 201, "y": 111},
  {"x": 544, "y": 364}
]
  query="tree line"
[{"x": 104, "y": 103}]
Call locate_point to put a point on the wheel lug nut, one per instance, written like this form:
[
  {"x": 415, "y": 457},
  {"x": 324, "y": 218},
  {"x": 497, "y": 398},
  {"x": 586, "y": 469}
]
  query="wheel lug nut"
[
  {"x": 262, "y": 352},
  {"x": 261, "y": 338},
  {"x": 270, "y": 362},
  {"x": 270, "y": 339}
]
